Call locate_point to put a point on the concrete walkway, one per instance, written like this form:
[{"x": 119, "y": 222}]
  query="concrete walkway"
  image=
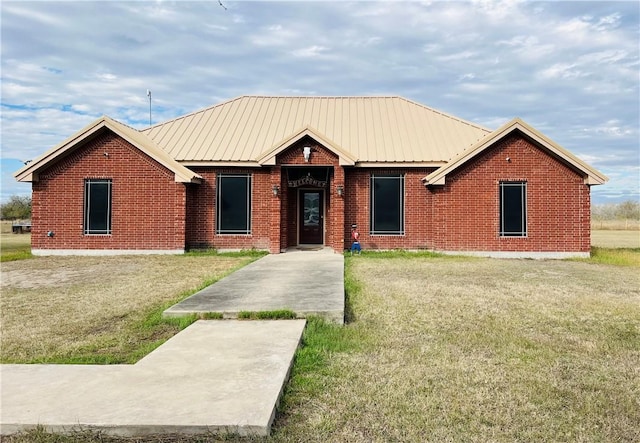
[
  {"x": 215, "y": 376},
  {"x": 306, "y": 282}
]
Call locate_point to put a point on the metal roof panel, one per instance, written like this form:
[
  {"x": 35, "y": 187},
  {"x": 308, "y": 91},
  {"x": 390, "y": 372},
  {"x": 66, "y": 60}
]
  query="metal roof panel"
[{"x": 372, "y": 129}]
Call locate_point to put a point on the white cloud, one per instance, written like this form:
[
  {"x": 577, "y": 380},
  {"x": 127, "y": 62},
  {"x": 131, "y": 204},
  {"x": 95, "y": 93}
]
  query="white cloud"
[
  {"x": 613, "y": 128},
  {"x": 571, "y": 69},
  {"x": 562, "y": 70},
  {"x": 608, "y": 22},
  {"x": 33, "y": 14},
  {"x": 311, "y": 51},
  {"x": 274, "y": 35},
  {"x": 106, "y": 77}
]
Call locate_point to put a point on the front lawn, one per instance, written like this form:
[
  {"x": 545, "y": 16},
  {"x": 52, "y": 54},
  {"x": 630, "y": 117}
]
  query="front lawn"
[
  {"x": 99, "y": 309},
  {"x": 450, "y": 349}
]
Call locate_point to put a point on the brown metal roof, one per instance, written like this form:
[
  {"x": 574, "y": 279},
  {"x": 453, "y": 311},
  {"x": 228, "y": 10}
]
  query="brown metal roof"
[
  {"x": 361, "y": 131},
  {"x": 367, "y": 129}
]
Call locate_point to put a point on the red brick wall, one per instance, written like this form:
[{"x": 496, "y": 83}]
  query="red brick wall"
[
  {"x": 465, "y": 213},
  {"x": 148, "y": 206},
  {"x": 461, "y": 215},
  {"x": 151, "y": 211},
  {"x": 418, "y": 223},
  {"x": 201, "y": 211},
  {"x": 273, "y": 219}
]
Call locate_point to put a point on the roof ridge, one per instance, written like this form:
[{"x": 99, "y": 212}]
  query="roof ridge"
[
  {"x": 321, "y": 96},
  {"x": 226, "y": 102},
  {"x": 192, "y": 113},
  {"x": 106, "y": 117}
]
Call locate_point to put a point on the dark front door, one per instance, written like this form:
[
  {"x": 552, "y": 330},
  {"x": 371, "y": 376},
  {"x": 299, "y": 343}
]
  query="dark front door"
[{"x": 311, "y": 217}]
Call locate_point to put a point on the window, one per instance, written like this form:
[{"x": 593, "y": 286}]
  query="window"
[
  {"x": 513, "y": 209},
  {"x": 387, "y": 204},
  {"x": 234, "y": 204},
  {"x": 97, "y": 206}
]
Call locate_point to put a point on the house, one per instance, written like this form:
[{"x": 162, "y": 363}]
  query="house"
[{"x": 275, "y": 173}]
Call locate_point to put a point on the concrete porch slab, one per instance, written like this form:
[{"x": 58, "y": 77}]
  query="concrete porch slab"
[
  {"x": 215, "y": 376},
  {"x": 306, "y": 282}
]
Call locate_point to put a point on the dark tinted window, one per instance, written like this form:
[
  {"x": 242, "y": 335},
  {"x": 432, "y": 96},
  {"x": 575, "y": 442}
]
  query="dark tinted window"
[
  {"x": 234, "y": 204},
  {"x": 513, "y": 209},
  {"x": 97, "y": 206},
  {"x": 387, "y": 204}
]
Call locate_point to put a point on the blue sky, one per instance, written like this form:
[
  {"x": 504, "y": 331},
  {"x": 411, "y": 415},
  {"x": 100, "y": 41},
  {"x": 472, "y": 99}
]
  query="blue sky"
[{"x": 570, "y": 69}]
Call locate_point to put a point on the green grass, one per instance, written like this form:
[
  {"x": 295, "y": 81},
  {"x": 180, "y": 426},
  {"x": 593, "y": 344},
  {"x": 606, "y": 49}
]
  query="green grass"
[
  {"x": 321, "y": 342},
  {"x": 278, "y": 314},
  {"x": 395, "y": 253},
  {"x": 618, "y": 256},
  {"x": 254, "y": 253},
  {"x": 14, "y": 247}
]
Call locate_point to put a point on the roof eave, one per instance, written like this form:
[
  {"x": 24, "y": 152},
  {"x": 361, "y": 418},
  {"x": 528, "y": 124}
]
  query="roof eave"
[
  {"x": 219, "y": 163},
  {"x": 404, "y": 164},
  {"x": 29, "y": 173},
  {"x": 591, "y": 175}
]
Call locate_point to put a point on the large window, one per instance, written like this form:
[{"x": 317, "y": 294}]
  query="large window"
[
  {"x": 387, "y": 204},
  {"x": 234, "y": 204},
  {"x": 97, "y": 206},
  {"x": 513, "y": 209}
]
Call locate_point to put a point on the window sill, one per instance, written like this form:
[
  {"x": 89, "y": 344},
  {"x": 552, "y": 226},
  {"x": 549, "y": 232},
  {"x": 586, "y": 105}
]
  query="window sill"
[{"x": 231, "y": 234}]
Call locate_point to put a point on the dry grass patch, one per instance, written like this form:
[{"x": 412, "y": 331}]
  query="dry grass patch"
[
  {"x": 615, "y": 239},
  {"x": 482, "y": 350},
  {"x": 448, "y": 349},
  {"x": 615, "y": 224},
  {"x": 91, "y": 308}
]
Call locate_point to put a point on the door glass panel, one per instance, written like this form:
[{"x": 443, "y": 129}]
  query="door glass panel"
[{"x": 311, "y": 215}]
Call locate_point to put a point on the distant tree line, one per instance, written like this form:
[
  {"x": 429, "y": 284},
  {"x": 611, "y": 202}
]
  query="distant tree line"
[
  {"x": 627, "y": 210},
  {"x": 17, "y": 208}
]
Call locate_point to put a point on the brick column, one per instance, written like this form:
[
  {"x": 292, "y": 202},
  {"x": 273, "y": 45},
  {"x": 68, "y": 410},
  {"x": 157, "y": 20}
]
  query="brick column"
[
  {"x": 337, "y": 216},
  {"x": 275, "y": 209}
]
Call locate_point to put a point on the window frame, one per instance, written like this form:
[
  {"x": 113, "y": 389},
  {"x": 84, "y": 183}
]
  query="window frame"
[
  {"x": 87, "y": 228},
  {"x": 522, "y": 232},
  {"x": 400, "y": 177},
  {"x": 221, "y": 230}
]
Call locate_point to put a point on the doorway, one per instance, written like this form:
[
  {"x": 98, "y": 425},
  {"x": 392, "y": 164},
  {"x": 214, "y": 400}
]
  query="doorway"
[{"x": 311, "y": 216}]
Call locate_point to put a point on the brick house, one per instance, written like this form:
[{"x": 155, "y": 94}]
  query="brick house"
[{"x": 275, "y": 173}]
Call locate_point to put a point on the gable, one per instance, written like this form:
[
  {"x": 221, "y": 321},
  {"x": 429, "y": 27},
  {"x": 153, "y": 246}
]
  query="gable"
[
  {"x": 269, "y": 156},
  {"x": 518, "y": 127},
  {"x": 29, "y": 172}
]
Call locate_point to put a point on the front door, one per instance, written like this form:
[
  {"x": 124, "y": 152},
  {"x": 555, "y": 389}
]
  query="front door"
[{"x": 311, "y": 217}]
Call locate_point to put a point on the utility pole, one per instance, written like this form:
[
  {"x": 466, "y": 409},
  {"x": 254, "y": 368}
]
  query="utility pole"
[{"x": 149, "y": 95}]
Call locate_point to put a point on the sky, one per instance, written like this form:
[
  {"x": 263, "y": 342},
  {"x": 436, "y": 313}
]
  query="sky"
[{"x": 570, "y": 69}]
